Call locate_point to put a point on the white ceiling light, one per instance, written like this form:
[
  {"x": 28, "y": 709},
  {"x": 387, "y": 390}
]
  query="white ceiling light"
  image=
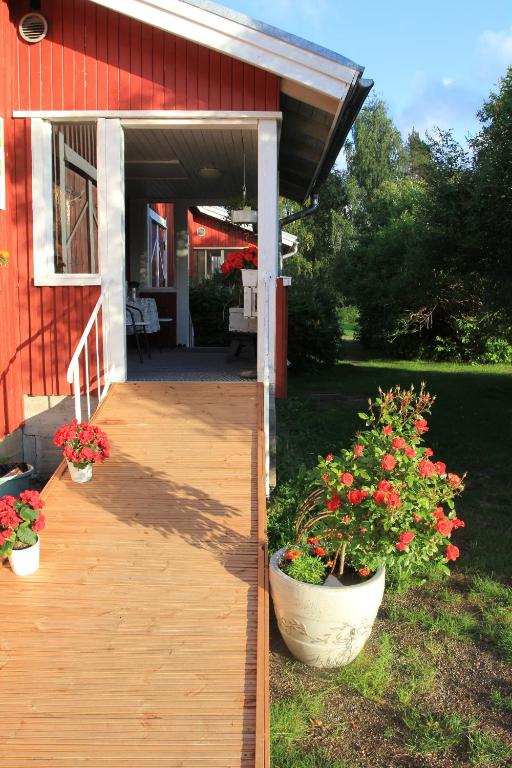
[{"x": 209, "y": 173}]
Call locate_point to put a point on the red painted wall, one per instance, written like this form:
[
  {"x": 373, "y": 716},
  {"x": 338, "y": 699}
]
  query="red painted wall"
[
  {"x": 219, "y": 234},
  {"x": 11, "y": 400},
  {"x": 92, "y": 58}
]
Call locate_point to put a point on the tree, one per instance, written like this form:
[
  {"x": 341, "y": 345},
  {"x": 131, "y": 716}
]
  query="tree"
[
  {"x": 418, "y": 154},
  {"x": 493, "y": 181},
  {"x": 376, "y": 152}
]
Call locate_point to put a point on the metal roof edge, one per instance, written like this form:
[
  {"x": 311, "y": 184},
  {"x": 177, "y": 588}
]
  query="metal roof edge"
[{"x": 268, "y": 29}]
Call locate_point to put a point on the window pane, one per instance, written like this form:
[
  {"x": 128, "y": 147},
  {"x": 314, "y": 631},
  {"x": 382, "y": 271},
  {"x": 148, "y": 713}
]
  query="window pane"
[{"x": 75, "y": 198}]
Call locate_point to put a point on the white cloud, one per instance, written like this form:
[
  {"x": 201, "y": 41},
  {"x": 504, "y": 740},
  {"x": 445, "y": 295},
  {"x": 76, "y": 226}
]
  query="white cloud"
[
  {"x": 495, "y": 52},
  {"x": 441, "y": 103}
]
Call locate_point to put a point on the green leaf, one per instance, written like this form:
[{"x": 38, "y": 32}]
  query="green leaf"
[
  {"x": 28, "y": 514},
  {"x": 6, "y": 549},
  {"x": 26, "y": 535}
]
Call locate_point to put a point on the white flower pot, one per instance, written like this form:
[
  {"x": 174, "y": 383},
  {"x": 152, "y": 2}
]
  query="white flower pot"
[
  {"x": 80, "y": 474},
  {"x": 25, "y": 561},
  {"x": 249, "y": 278},
  {"x": 324, "y": 626}
]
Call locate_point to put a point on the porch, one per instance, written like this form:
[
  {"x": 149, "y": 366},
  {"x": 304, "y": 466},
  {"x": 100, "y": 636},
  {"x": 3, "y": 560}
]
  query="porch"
[
  {"x": 214, "y": 364},
  {"x": 141, "y": 641}
]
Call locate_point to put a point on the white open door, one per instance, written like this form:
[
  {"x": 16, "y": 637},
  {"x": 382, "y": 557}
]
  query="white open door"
[{"x": 111, "y": 242}]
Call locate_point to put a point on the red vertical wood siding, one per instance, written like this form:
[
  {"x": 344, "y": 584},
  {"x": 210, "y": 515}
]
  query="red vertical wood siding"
[
  {"x": 92, "y": 58},
  {"x": 281, "y": 339},
  {"x": 11, "y": 392},
  {"x": 218, "y": 234}
]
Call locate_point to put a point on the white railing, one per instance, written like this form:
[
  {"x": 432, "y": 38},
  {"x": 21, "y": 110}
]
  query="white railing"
[{"x": 73, "y": 375}]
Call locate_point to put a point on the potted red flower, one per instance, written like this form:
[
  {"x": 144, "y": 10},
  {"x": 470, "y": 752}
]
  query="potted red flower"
[
  {"x": 83, "y": 445},
  {"x": 21, "y": 520},
  {"x": 242, "y": 265},
  {"x": 384, "y": 502},
  {"x": 240, "y": 269}
]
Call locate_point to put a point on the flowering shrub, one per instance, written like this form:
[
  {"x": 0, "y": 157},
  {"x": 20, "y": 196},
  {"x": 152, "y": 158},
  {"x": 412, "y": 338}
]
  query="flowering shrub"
[
  {"x": 21, "y": 520},
  {"x": 82, "y": 443},
  {"x": 386, "y": 500},
  {"x": 246, "y": 258}
]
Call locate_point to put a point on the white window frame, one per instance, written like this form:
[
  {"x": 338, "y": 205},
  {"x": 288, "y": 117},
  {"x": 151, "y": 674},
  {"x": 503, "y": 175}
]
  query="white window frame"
[
  {"x": 42, "y": 210},
  {"x": 153, "y": 216},
  {"x": 224, "y": 249}
]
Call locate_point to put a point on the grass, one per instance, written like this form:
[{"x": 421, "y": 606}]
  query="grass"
[
  {"x": 430, "y": 733},
  {"x": 370, "y": 673},
  {"x": 293, "y": 721},
  {"x": 486, "y": 750},
  {"x": 501, "y": 702},
  {"x": 402, "y": 683}
]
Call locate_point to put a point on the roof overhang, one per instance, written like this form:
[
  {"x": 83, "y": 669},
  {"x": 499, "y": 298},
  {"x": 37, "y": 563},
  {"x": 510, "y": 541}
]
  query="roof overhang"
[
  {"x": 288, "y": 240},
  {"x": 321, "y": 91}
]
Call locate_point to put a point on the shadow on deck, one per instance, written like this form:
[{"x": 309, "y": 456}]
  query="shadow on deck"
[{"x": 141, "y": 641}]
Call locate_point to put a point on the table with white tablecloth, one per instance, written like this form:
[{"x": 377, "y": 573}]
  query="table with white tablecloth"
[{"x": 149, "y": 314}]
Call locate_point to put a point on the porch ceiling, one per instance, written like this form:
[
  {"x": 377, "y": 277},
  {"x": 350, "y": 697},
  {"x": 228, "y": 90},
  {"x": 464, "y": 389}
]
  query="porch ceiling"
[{"x": 164, "y": 164}]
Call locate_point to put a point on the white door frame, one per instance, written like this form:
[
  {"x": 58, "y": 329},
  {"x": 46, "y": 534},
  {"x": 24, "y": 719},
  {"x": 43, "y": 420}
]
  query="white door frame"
[{"x": 111, "y": 205}]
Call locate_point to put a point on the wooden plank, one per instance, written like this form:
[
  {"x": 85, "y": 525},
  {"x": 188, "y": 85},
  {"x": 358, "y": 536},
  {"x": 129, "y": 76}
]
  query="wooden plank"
[{"x": 141, "y": 641}]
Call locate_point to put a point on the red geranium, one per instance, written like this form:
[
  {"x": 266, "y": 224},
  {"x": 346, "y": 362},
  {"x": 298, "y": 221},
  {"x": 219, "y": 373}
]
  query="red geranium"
[
  {"x": 452, "y": 552},
  {"x": 245, "y": 258},
  {"x": 444, "y": 526},
  {"x": 20, "y": 521},
  {"x": 454, "y": 480},
  {"x": 395, "y": 502},
  {"x": 426, "y": 468},
  {"x": 82, "y": 443},
  {"x": 388, "y": 462}
]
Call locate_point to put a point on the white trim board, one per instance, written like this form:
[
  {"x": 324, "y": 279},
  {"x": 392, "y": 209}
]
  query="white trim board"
[
  {"x": 285, "y": 58},
  {"x": 181, "y": 117}
]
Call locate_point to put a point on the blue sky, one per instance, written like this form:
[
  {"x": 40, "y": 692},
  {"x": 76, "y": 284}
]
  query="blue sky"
[{"x": 434, "y": 63}]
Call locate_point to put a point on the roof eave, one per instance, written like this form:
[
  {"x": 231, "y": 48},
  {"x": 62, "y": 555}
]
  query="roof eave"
[{"x": 346, "y": 118}]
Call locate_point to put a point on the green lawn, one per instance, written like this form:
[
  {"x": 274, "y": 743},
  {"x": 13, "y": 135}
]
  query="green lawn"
[{"x": 434, "y": 686}]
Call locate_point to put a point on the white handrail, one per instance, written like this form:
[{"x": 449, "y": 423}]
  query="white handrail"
[{"x": 73, "y": 374}]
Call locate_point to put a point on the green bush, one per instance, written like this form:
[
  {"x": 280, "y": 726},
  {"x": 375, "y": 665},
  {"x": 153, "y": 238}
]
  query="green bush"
[
  {"x": 314, "y": 334},
  {"x": 209, "y": 307}
]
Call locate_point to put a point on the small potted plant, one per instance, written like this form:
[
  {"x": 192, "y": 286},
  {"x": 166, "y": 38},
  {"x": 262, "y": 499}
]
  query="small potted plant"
[
  {"x": 83, "y": 445},
  {"x": 21, "y": 520},
  {"x": 385, "y": 501},
  {"x": 241, "y": 270}
]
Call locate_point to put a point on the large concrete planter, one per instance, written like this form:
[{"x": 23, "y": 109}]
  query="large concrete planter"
[
  {"x": 13, "y": 486},
  {"x": 324, "y": 626}
]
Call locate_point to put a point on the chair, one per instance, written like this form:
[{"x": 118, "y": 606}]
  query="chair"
[{"x": 138, "y": 327}]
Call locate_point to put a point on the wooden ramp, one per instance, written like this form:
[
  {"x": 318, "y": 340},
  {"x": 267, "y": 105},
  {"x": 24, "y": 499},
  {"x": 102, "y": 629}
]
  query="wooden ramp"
[{"x": 141, "y": 641}]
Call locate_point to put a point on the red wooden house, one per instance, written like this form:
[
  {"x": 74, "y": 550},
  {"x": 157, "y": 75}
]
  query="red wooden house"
[
  {"x": 143, "y": 639},
  {"x": 105, "y": 104}
]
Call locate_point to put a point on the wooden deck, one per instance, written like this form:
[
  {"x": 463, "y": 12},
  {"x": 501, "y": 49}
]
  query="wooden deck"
[{"x": 142, "y": 639}]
